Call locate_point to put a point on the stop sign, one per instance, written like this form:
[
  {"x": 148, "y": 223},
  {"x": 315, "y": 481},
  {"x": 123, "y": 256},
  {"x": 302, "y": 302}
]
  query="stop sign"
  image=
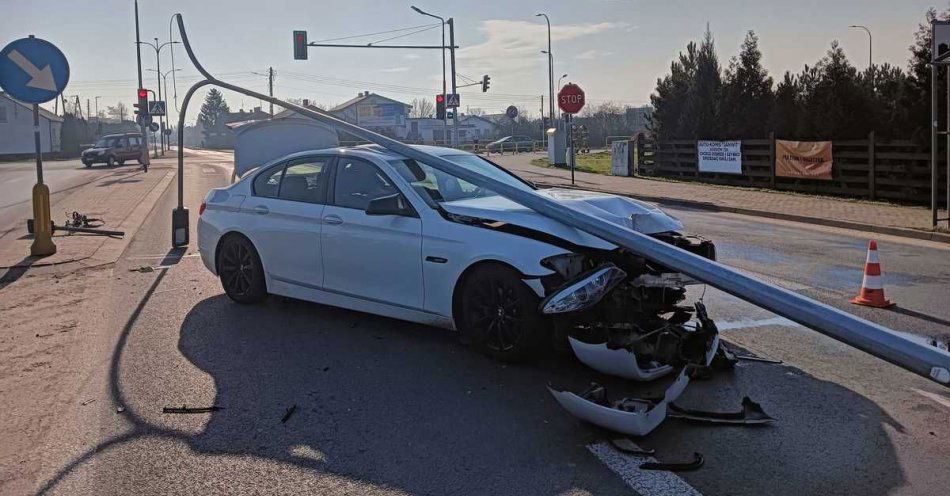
[{"x": 571, "y": 98}]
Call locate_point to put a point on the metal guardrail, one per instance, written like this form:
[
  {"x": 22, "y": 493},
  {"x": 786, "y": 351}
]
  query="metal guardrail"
[{"x": 927, "y": 361}]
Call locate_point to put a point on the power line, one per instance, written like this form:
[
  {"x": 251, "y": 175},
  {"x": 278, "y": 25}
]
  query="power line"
[
  {"x": 374, "y": 34},
  {"x": 404, "y": 35}
]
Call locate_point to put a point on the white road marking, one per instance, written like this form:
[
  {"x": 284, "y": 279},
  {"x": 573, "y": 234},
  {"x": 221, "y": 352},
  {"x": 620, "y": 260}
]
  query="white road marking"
[
  {"x": 645, "y": 482},
  {"x": 936, "y": 397},
  {"x": 746, "y": 323}
]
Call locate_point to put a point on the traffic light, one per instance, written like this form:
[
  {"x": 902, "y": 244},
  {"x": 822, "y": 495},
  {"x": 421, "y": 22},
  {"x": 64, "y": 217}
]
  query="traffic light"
[
  {"x": 141, "y": 108},
  {"x": 486, "y": 80},
  {"x": 300, "y": 45},
  {"x": 440, "y": 107}
]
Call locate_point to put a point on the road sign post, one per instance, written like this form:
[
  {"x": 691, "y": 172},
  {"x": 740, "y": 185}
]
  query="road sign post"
[
  {"x": 35, "y": 71},
  {"x": 570, "y": 100}
]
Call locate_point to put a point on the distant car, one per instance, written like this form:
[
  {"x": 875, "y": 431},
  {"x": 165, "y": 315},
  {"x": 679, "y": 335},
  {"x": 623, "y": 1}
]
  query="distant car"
[
  {"x": 511, "y": 144},
  {"x": 114, "y": 149},
  {"x": 367, "y": 229}
]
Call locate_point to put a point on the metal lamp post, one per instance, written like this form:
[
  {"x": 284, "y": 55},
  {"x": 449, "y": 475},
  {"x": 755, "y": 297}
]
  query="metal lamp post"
[
  {"x": 550, "y": 69},
  {"x": 445, "y": 125},
  {"x": 869, "y": 41},
  {"x": 158, "y": 66},
  {"x": 164, "y": 79},
  {"x": 559, "y": 80}
]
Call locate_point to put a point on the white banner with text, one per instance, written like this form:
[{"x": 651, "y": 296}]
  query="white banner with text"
[{"x": 724, "y": 157}]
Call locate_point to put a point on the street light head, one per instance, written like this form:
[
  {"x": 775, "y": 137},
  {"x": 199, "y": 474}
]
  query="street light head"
[
  {"x": 417, "y": 9},
  {"x": 564, "y": 76}
]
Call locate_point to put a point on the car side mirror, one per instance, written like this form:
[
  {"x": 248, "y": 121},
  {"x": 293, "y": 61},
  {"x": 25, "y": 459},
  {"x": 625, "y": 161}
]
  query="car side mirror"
[{"x": 395, "y": 204}]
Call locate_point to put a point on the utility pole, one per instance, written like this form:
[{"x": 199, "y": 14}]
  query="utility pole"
[
  {"x": 455, "y": 112},
  {"x": 138, "y": 58},
  {"x": 88, "y": 111},
  {"x": 544, "y": 130},
  {"x": 270, "y": 89},
  {"x": 158, "y": 83},
  {"x": 445, "y": 130}
]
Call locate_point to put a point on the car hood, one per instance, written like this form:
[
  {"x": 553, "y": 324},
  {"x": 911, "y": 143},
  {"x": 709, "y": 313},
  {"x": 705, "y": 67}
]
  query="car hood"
[
  {"x": 94, "y": 150},
  {"x": 633, "y": 214}
]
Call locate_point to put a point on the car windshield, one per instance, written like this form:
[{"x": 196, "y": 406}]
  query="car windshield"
[
  {"x": 433, "y": 184},
  {"x": 104, "y": 142}
]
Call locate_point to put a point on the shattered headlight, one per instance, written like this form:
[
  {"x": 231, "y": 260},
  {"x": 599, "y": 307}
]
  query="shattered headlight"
[{"x": 584, "y": 293}]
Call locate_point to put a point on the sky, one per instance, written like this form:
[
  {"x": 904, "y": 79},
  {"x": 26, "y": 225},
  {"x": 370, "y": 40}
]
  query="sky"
[{"x": 614, "y": 49}]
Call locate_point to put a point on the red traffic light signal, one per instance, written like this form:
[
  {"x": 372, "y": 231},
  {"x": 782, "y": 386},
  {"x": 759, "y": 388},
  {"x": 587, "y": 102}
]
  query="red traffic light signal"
[
  {"x": 440, "y": 106},
  {"x": 300, "y": 45},
  {"x": 440, "y": 99},
  {"x": 143, "y": 93}
]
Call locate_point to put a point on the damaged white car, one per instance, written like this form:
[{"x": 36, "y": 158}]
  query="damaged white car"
[{"x": 366, "y": 229}]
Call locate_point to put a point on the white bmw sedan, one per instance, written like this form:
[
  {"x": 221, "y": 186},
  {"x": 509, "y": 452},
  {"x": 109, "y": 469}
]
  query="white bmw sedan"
[{"x": 369, "y": 230}]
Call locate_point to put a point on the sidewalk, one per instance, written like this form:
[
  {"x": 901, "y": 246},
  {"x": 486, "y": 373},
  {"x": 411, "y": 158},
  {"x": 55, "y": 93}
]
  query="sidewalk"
[
  {"x": 121, "y": 199},
  {"x": 911, "y": 222}
]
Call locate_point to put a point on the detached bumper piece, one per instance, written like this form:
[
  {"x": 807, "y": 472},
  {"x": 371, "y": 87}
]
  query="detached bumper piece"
[
  {"x": 631, "y": 416},
  {"x": 751, "y": 414}
]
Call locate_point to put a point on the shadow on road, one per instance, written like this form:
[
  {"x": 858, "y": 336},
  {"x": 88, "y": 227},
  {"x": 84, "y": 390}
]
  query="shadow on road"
[{"x": 403, "y": 406}]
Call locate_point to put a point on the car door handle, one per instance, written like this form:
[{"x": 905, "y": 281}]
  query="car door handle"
[
  {"x": 332, "y": 220},
  {"x": 260, "y": 209}
]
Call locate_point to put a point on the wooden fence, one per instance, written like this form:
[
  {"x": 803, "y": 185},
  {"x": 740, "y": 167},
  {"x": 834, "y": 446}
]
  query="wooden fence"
[{"x": 896, "y": 170}]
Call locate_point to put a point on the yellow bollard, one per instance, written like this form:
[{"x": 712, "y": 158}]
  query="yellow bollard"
[{"x": 42, "y": 228}]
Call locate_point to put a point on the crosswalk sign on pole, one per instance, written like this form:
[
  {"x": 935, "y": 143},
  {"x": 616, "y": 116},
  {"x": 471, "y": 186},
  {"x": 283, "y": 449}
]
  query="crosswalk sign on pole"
[
  {"x": 452, "y": 100},
  {"x": 156, "y": 107}
]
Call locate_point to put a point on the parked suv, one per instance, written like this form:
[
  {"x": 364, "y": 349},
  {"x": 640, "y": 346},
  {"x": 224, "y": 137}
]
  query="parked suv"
[{"x": 114, "y": 148}]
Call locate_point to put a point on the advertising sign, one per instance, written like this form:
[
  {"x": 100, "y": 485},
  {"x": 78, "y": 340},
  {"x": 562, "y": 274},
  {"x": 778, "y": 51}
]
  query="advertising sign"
[
  {"x": 804, "y": 159},
  {"x": 940, "y": 32},
  {"x": 724, "y": 157},
  {"x": 380, "y": 114}
]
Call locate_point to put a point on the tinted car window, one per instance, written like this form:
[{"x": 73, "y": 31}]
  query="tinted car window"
[
  {"x": 358, "y": 182},
  {"x": 303, "y": 180},
  {"x": 267, "y": 183}
]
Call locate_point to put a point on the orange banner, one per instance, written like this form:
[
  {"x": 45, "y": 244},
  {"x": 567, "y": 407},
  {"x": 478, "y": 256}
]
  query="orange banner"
[{"x": 806, "y": 159}]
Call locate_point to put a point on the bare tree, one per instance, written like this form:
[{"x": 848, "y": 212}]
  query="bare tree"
[
  {"x": 117, "y": 112},
  {"x": 422, "y": 107},
  {"x": 476, "y": 111}
]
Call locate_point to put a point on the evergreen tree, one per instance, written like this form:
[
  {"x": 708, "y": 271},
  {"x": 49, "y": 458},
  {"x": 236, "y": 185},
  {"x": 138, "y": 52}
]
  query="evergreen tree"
[
  {"x": 670, "y": 96},
  {"x": 700, "y": 117},
  {"x": 835, "y": 103},
  {"x": 211, "y": 118},
  {"x": 786, "y": 112},
  {"x": 747, "y": 93}
]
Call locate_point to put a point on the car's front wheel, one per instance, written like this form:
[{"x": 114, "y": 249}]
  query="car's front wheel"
[
  {"x": 240, "y": 270},
  {"x": 499, "y": 313},
  {"x": 110, "y": 161}
]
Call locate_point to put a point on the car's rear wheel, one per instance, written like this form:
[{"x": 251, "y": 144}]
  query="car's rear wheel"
[
  {"x": 499, "y": 313},
  {"x": 240, "y": 270},
  {"x": 87, "y": 163}
]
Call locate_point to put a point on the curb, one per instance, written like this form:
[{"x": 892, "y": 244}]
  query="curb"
[{"x": 859, "y": 226}]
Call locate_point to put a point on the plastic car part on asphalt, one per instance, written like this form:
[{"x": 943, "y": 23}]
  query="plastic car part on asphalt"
[
  {"x": 619, "y": 362},
  {"x": 630, "y": 416},
  {"x": 750, "y": 414}
]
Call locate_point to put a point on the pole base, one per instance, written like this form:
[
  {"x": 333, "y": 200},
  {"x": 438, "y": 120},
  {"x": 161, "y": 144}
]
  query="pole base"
[
  {"x": 180, "y": 227},
  {"x": 43, "y": 245}
]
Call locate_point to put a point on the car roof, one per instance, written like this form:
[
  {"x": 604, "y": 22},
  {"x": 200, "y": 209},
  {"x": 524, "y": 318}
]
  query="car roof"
[{"x": 376, "y": 150}]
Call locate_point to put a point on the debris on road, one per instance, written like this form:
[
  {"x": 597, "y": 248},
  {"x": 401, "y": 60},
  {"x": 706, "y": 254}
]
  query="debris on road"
[
  {"x": 751, "y": 414},
  {"x": 676, "y": 467},
  {"x": 186, "y": 409},
  {"x": 290, "y": 411},
  {"x": 143, "y": 268},
  {"x": 757, "y": 359},
  {"x": 626, "y": 445}
]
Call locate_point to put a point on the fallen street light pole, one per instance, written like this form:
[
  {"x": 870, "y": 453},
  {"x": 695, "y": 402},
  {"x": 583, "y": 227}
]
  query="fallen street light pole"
[{"x": 927, "y": 361}]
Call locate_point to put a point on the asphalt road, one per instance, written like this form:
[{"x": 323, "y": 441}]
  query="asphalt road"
[{"x": 382, "y": 406}]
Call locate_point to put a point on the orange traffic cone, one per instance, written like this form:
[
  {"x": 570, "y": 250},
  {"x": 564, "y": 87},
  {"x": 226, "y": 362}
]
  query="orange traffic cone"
[{"x": 872, "y": 287}]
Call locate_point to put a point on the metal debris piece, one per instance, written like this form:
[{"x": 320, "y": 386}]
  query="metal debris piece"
[
  {"x": 626, "y": 445},
  {"x": 751, "y": 414},
  {"x": 143, "y": 268},
  {"x": 757, "y": 359},
  {"x": 192, "y": 409},
  {"x": 119, "y": 409},
  {"x": 676, "y": 467},
  {"x": 290, "y": 411},
  {"x": 77, "y": 219}
]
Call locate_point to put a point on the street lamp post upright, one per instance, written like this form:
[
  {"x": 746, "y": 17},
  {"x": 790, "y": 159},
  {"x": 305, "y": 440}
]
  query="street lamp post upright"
[
  {"x": 559, "y": 80},
  {"x": 445, "y": 125},
  {"x": 550, "y": 69},
  {"x": 870, "y": 47},
  {"x": 164, "y": 79},
  {"x": 158, "y": 66}
]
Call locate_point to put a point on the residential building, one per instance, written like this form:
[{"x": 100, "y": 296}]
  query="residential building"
[{"x": 16, "y": 128}]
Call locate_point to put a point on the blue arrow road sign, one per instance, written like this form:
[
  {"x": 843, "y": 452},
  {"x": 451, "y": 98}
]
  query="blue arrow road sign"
[{"x": 33, "y": 70}]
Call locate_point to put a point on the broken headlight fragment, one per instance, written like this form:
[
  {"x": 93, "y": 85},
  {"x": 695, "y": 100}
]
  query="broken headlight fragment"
[{"x": 585, "y": 292}]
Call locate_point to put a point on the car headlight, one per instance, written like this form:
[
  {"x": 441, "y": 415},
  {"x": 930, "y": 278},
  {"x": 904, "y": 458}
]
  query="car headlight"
[{"x": 586, "y": 292}]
